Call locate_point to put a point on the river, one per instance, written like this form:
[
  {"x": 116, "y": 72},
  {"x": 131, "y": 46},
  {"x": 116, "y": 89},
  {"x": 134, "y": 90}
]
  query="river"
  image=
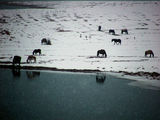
[{"x": 44, "y": 95}]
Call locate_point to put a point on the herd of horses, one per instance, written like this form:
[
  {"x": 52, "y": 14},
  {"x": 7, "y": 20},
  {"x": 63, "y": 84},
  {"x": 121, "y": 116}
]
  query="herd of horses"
[
  {"x": 31, "y": 58},
  {"x": 100, "y": 53}
]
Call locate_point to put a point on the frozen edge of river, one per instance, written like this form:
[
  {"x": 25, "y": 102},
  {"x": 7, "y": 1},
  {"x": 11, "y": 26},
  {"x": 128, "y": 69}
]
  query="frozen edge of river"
[{"x": 145, "y": 80}]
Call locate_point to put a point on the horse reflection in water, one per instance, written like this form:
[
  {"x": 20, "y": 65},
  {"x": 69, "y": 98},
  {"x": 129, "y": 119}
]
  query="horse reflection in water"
[
  {"x": 16, "y": 72},
  {"x": 100, "y": 77},
  {"x": 32, "y": 74}
]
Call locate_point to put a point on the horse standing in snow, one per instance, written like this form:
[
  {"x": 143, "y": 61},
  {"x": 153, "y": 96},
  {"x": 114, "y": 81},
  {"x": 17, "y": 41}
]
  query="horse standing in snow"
[
  {"x": 31, "y": 58},
  {"x": 103, "y": 52},
  {"x": 111, "y": 31},
  {"x": 99, "y": 28},
  {"x": 149, "y": 52},
  {"x": 16, "y": 60},
  {"x": 117, "y": 41},
  {"x": 45, "y": 41},
  {"x": 124, "y": 31},
  {"x": 37, "y": 51}
]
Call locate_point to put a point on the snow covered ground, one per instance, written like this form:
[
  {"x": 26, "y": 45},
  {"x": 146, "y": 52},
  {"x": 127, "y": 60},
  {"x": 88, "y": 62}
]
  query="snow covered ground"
[{"x": 63, "y": 22}]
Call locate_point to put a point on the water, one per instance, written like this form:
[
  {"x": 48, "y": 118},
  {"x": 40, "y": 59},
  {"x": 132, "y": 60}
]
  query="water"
[{"x": 35, "y": 95}]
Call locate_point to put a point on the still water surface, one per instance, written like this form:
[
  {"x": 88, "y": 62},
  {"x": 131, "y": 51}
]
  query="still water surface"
[{"x": 37, "y": 95}]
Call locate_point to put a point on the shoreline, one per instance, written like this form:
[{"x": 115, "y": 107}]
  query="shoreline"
[{"x": 147, "y": 75}]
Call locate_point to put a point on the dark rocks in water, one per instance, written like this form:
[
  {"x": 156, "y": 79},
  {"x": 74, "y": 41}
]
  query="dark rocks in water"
[{"x": 153, "y": 75}]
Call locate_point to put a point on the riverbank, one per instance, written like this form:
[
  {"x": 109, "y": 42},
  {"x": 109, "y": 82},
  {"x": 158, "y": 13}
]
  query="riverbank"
[{"x": 146, "y": 75}]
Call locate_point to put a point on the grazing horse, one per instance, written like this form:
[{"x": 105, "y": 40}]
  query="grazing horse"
[
  {"x": 45, "y": 41},
  {"x": 16, "y": 60},
  {"x": 124, "y": 31},
  {"x": 117, "y": 41},
  {"x": 31, "y": 58},
  {"x": 111, "y": 31},
  {"x": 37, "y": 51},
  {"x": 149, "y": 52},
  {"x": 103, "y": 52}
]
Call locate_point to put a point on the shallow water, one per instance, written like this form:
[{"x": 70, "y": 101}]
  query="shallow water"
[{"x": 37, "y": 95}]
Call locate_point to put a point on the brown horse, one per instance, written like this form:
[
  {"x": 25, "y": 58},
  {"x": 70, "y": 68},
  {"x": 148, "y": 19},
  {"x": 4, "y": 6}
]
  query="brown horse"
[
  {"x": 103, "y": 52},
  {"x": 16, "y": 60},
  {"x": 31, "y": 58},
  {"x": 149, "y": 52}
]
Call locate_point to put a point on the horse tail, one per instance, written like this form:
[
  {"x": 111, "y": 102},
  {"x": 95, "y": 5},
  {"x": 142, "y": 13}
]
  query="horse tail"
[
  {"x": 152, "y": 54},
  {"x": 27, "y": 60},
  {"x": 105, "y": 54},
  {"x": 97, "y": 53},
  {"x": 33, "y": 52},
  {"x": 145, "y": 54}
]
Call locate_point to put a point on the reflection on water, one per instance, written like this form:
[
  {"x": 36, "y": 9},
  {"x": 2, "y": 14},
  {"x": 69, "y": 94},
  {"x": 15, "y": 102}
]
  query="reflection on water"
[
  {"x": 100, "y": 77},
  {"x": 16, "y": 72},
  {"x": 32, "y": 74},
  {"x": 72, "y": 96}
]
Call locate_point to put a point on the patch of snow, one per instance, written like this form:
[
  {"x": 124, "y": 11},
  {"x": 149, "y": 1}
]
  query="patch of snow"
[{"x": 72, "y": 28}]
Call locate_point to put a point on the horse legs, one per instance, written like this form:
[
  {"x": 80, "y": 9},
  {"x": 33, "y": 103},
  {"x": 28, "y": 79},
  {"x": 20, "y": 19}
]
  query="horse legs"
[{"x": 105, "y": 54}]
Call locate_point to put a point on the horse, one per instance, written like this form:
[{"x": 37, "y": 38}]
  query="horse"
[
  {"x": 99, "y": 28},
  {"x": 37, "y": 51},
  {"x": 149, "y": 52},
  {"x": 45, "y": 41},
  {"x": 117, "y": 41},
  {"x": 16, "y": 60},
  {"x": 31, "y": 58},
  {"x": 111, "y": 31},
  {"x": 124, "y": 31},
  {"x": 103, "y": 52}
]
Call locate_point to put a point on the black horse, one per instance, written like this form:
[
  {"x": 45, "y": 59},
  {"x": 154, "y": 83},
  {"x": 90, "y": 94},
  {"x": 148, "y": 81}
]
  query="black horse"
[
  {"x": 37, "y": 51},
  {"x": 124, "y": 31},
  {"x": 103, "y": 52},
  {"x": 16, "y": 60},
  {"x": 45, "y": 41},
  {"x": 117, "y": 41},
  {"x": 99, "y": 28},
  {"x": 111, "y": 31},
  {"x": 149, "y": 52}
]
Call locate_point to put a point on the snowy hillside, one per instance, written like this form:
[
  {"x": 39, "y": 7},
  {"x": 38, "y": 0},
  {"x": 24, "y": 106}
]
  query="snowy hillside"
[{"x": 64, "y": 22}]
